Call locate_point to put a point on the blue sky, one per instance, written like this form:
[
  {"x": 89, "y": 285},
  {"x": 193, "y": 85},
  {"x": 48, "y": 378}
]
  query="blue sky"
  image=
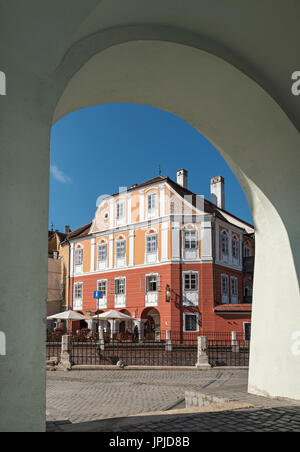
[{"x": 96, "y": 150}]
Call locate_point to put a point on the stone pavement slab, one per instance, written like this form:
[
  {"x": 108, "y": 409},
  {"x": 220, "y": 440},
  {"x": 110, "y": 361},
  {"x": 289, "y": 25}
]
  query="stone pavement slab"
[{"x": 81, "y": 397}]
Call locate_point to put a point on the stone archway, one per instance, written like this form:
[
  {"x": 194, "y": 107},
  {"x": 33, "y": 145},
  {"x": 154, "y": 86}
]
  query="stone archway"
[{"x": 240, "y": 119}]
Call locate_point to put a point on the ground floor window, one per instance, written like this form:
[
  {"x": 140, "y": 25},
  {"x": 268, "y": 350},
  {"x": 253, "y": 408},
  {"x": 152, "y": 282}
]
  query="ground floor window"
[
  {"x": 151, "y": 283},
  {"x": 190, "y": 322}
]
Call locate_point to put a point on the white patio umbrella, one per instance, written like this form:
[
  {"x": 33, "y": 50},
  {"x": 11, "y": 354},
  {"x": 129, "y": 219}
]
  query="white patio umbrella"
[
  {"x": 68, "y": 315},
  {"x": 112, "y": 315}
]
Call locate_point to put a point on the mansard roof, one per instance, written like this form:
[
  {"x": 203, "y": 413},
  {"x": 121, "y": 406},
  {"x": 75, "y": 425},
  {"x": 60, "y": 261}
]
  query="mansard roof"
[{"x": 79, "y": 232}]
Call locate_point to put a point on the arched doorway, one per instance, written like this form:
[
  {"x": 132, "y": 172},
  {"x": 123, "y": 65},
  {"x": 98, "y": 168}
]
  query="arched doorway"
[
  {"x": 124, "y": 325},
  {"x": 151, "y": 324}
]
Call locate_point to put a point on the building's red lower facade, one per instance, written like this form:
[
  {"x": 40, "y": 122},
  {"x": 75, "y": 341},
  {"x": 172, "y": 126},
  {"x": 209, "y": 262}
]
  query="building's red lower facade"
[{"x": 171, "y": 312}]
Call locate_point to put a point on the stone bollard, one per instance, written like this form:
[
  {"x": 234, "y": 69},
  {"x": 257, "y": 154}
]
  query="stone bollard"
[
  {"x": 202, "y": 356},
  {"x": 168, "y": 346},
  {"x": 66, "y": 351},
  {"x": 101, "y": 339},
  {"x": 234, "y": 343}
]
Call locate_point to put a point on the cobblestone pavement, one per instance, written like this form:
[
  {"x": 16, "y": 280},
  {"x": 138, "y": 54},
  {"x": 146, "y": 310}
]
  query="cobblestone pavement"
[
  {"x": 84, "y": 396},
  {"x": 284, "y": 419}
]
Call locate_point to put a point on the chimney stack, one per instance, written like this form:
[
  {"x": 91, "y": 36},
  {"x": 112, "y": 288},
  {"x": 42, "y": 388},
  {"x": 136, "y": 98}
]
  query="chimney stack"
[
  {"x": 217, "y": 190},
  {"x": 67, "y": 229},
  {"x": 182, "y": 178}
]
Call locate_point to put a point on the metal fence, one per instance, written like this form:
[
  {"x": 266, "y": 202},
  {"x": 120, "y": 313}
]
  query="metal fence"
[
  {"x": 53, "y": 346},
  {"x": 174, "y": 349},
  {"x": 228, "y": 352},
  {"x": 148, "y": 353}
]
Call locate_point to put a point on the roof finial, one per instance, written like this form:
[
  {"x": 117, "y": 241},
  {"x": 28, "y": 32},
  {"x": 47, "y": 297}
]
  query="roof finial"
[{"x": 159, "y": 170}]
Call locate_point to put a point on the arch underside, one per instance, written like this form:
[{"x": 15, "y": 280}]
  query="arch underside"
[{"x": 253, "y": 135}]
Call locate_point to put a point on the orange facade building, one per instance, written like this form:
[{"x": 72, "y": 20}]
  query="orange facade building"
[{"x": 167, "y": 257}]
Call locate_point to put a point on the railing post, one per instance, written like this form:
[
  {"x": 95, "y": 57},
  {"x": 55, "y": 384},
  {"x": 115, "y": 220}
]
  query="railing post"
[
  {"x": 202, "y": 355},
  {"x": 101, "y": 339},
  {"x": 234, "y": 343},
  {"x": 66, "y": 352},
  {"x": 168, "y": 346}
]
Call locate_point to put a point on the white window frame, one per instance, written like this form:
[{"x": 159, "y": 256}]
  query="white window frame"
[
  {"x": 151, "y": 296},
  {"x": 120, "y": 261},
  {"x": 190, "y": 296},
  {"x": 119, "y": 279},
  {"x": 152, "y": 238},
  {"x": 235, "y": 249},
  {"x": 151, "y": 257},
  {"x": 234, "y": 294},
  {"x": 147, "y": 277},
  {"x": 120, "y": 212},
  {"x": 120, "y": 295},
  {"x": 189, "y": 252},
  {"x": 102, "y": 302},
  {"x": 103, "y": 262},
  {"x": 77, "y": 302},
  {"x": 190, "y": 273},
  {"x": 78, "y": 267},
  {"x": 190, "y": 240},
  {"x": 152, "y": 208},
  {"x": 224, "y": 252},
  {"x": 185, "y": 315},
  {"x": 225, "y": 295},
  {"x": 123, "y": 247}
]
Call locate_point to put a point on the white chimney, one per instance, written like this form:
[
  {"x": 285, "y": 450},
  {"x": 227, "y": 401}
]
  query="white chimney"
[
  {"x": 217, "y": 190},
  {"x": 182, "y": 178}
]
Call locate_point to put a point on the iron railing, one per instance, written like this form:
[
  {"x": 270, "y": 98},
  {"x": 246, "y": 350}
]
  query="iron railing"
[
  {"x": 228, "y": 353},
  {"x": 176, "y": 349},
  {"x": 147, "y": 353},
  {"x": 53, "y": 346}
]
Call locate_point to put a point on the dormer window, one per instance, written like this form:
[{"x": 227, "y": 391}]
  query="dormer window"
[
  {"x": 152, "y": 202},
  {"x": 120, "y": 210},
  {"x": 152, "y": 205}
]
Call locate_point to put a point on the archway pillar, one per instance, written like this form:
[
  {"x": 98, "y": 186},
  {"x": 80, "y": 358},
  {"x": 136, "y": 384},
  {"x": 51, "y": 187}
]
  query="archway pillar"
[{"x": 25, "y": 121}]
